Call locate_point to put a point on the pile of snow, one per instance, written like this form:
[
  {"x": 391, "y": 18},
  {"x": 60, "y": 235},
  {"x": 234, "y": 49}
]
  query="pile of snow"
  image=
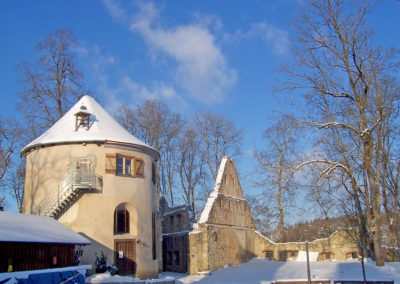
[
  {"x": 108, "y": 278},
  {"x": 302, "y": 256}
]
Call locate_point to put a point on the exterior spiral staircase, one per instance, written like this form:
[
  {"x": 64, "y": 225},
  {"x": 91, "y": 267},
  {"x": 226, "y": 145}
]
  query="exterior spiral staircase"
[{"x": 77, "y": 181}]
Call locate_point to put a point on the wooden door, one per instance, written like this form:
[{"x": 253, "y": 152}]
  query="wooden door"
[{"x": 125, "y": 256}]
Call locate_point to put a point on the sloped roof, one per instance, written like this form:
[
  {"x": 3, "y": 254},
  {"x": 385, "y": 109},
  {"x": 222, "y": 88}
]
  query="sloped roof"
[
  {"x": 102, "y": 128},
  {"x": 17, "y": 227}
]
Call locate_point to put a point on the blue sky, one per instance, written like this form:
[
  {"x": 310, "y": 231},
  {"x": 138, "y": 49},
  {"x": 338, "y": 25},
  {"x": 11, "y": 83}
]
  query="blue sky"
[{"x": 220, "y": 56}]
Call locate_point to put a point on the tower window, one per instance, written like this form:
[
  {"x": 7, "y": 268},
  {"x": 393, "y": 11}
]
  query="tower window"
[
  {"x": 121, "y": 220},
  {"x": 124, "y": 165}
]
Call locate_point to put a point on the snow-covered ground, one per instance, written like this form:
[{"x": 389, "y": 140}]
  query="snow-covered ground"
[{"x": 263, "y": 271}]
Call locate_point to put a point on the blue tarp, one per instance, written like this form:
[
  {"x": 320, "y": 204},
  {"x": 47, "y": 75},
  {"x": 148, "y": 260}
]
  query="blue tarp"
[{"x": 68, "y": 277}]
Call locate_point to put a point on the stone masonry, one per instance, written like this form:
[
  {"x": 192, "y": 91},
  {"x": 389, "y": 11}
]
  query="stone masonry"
[{"x": 226, "y": 235}]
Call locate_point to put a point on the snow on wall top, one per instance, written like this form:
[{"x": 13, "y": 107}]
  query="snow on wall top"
[
  {"x": 214, "y": 194},
  {"x": 15, "y": 227},
  {"x": 102, "y": 128}
]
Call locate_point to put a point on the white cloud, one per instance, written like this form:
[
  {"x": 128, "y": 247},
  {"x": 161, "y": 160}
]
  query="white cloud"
[
  {"x": 276, "y": 38},
  {"x": 116, "y": 12},
  {"x": 117, "y": 88},
  {"x": 201, "y": 69}
]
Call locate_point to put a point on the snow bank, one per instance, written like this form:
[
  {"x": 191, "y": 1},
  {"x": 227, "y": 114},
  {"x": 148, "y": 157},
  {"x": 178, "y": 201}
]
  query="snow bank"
[
  {"x": 265, "y": 271},
  {"x": 108, "y": 278},
  {"x": 302, "y": 256}
]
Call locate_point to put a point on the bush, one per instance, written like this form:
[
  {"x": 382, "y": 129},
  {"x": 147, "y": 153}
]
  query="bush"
[
  {"x": 102, "y": 266},
  {"x": 77, "y": 255}
]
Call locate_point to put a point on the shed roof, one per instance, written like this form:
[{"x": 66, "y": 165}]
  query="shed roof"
[
  {"x": 102, "y": 128},
  {"x": 16, "y": 227}
]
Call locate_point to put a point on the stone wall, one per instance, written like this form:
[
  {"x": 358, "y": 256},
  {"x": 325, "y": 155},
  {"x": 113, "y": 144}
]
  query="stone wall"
[
  {"x": 225, "y": 232},
  {"x": 176, "y": 224},
  {"x": 226, "y": 235},
  {"x": 339, "y": 246}
]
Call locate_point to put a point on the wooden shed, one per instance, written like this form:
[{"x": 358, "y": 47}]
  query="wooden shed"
[{"x": 29, "y": 242}]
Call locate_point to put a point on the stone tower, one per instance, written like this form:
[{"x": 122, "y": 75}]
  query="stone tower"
[{"x": 93, "y": 176}]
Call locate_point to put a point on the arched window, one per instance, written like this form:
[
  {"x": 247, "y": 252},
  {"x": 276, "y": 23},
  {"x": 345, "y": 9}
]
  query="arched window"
[{"x": 121, "y": 220}]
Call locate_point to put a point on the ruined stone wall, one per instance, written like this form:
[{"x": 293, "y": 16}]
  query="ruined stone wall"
[
  {"x": 225, "y": 232},
  {"x": 176, "y": 223},
  {"x": 226, "y": 235},
  {"x": 339, "y": 246}
]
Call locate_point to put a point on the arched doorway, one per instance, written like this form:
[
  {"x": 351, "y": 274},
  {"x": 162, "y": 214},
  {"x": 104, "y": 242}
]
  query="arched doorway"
[{"x": 124, "y": 248}]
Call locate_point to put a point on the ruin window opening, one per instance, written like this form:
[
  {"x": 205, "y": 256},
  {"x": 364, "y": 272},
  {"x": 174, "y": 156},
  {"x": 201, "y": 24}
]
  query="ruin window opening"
[{"x": 269, "y": 254}]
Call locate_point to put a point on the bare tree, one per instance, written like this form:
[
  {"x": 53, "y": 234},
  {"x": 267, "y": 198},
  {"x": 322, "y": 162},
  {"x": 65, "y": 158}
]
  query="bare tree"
[
  {"x": 276, "y": 162},
  {"x": 157, "y": 126},
  {"x": 10, "y": 133},
  {"x": 219, "y": 137},
  {"x": 190, "y": 166},
  {"x": 8, "y": 143},
  {"x": 51, "y": 84},
  {"x": 345, "y": 79}
]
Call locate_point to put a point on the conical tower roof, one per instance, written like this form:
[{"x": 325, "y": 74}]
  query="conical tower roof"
[{"x": 102, "y": 128}]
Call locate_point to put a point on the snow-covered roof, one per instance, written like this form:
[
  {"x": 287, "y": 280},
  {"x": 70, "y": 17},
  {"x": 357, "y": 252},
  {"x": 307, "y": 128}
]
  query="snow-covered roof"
[
  {"x": 102, "y": 128},
  {"x": 15, "y": 227}
]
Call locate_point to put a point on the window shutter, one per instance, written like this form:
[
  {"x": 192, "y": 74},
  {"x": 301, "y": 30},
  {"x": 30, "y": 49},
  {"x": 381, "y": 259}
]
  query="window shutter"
[
  {"x": 139, "y": 167},
  {"x": 153, "y": 225},
  {"x": 153, "y": 173},
  {"x": 111, "y": 163}
]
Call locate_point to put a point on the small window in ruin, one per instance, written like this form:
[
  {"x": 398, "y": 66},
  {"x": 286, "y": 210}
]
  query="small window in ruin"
[
  {"x": 214, "y": 236},
  {"x": 328, "y": 255},
  {"x": 269, "y": 254},
  {"x": 233, "y": 181},
  {"x": 171, "y": 221},
  {"x": 282, "y": 255}
]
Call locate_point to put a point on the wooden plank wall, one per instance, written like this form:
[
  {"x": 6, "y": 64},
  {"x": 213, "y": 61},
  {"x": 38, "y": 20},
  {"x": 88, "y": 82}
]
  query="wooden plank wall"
[{"x": 32, "y": 256}]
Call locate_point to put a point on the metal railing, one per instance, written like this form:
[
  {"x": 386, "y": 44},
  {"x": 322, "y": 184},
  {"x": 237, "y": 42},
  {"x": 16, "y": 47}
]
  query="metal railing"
[{"x": 68, "y": 186}]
